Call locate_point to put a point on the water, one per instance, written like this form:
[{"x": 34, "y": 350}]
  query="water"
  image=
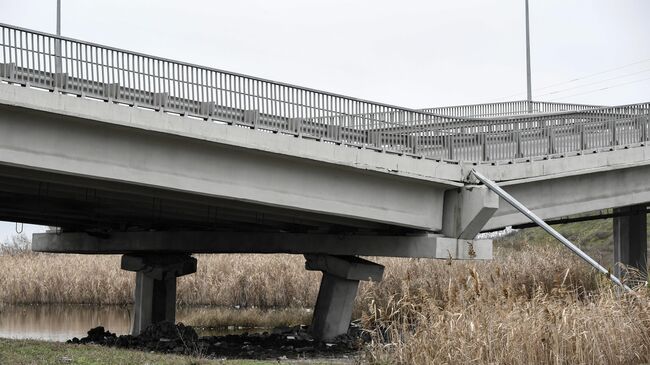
[{"x": 61, "y": 322}]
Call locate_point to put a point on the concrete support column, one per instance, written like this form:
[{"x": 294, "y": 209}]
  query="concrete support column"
[
  {"x": 338, "y": 288},
  {"x": 155, "y": 286},
  {"x": 630, "y": 239}
]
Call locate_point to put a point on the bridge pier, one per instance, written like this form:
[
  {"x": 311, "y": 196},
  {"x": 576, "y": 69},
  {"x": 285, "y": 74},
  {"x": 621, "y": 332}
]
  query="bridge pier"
[
  {"x": 338, "y": 288},
  {"x": 155, "y": 286},
  {"x": 630, "y": 239}
]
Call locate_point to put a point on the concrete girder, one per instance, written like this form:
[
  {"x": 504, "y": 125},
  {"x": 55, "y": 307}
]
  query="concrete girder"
[
  {"x": 466, "y": 210},
  {"x": 108, "y": 142},
  {"x": 424, "y": 246},
  {"x": 565, "y": 195}
]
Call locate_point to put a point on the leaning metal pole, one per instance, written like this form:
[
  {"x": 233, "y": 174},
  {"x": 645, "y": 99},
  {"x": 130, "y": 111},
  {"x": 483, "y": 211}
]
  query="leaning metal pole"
[{"x": 525, "y": 211}]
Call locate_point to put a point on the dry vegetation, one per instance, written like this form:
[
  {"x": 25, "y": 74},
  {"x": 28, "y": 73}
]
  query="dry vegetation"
[
  {"x": 531, "y": 304},
  {"x": 536, "y": 306}
]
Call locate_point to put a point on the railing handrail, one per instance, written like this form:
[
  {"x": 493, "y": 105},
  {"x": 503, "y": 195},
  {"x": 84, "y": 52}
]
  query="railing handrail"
[{"x": 206, "y": 68}]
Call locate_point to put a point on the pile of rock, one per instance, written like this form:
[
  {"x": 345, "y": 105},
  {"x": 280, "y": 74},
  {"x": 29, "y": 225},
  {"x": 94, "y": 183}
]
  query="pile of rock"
[{"x": 286, "y": 342}]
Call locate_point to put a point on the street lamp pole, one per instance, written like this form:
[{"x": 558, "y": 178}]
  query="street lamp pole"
[
  {"x": 58, "y": 17},
  {"x": 529, "y": 99},
  {"x": 57, "y": 43}
]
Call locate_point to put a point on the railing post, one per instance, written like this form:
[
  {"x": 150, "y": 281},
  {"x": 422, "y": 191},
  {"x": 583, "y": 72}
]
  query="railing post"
[
  {"x": 206, "y": 108},
  {"x": 295, "y": 126},
  {"x": 551, "y": 140},
  {"x": 583, "y": 142},
  {"x": 519, "y": 153},
  {"x": 450, "y": 145},
  {"x": 414, "y": 144},
  {"x": 252, "y": 117},
  {"x": 8, "y": 70},
  {"x": 614, "y": 137},
  {"x": 482, "y": 142}
]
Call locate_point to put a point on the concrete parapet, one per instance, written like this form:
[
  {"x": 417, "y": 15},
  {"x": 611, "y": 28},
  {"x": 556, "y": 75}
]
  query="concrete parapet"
[
  {"x": 155, "y": 286},
  {"x": 338, "y": 288}
]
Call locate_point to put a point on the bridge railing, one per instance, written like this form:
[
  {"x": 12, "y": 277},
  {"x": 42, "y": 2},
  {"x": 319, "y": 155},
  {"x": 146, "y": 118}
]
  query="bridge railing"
[
  {"x": 72, "y": 66},
  {"x": 507, "y": 108},
  {"x": 76, "y": 67}
]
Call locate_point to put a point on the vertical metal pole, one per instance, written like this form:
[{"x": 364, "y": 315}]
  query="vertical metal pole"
[
  {"x": 533, "y": 217},
  {"x": 57, "y": 43},
  {"x": 528, "y": 86}
]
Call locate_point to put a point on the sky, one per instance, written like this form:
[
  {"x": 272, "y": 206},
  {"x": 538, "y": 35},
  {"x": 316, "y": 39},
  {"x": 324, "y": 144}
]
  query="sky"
[{"x": 410, "y": 53}]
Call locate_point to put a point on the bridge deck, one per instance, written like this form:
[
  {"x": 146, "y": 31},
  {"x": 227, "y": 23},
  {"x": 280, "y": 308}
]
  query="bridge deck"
[{"x": 491, "y": 132}]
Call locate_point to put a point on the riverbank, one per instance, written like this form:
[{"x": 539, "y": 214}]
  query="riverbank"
[
  {"x": 29, "y": 352},
  {"x": 534, "y": 303}
]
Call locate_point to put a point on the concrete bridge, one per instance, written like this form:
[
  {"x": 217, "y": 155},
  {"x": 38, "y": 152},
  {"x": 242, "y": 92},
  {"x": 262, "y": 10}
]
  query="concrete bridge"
[{"x": 157, "y": 159}]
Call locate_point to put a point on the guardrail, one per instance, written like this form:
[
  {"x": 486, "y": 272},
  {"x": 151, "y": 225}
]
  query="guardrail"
[
  {"x": 71, "y": 66},
  {"x": 507, "y": 108}
]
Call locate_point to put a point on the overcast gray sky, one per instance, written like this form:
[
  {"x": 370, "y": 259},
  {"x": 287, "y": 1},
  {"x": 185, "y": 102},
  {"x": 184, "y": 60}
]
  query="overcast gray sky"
[{"x": 409, "y": 53}]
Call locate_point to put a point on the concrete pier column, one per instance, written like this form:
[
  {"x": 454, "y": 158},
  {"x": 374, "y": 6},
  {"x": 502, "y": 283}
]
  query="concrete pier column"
[
  {"x": 338, "y": 288},
  {"x": 155, "y": 286},
  {"x": 630, "y": 239}
]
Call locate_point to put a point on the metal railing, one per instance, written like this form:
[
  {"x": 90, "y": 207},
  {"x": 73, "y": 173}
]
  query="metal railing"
[
  {"x": 507, "y": 108},
  {"x": 31, "y": 58}
]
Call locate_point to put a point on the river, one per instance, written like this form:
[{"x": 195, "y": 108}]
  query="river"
[{"x": 61, "y": 322}]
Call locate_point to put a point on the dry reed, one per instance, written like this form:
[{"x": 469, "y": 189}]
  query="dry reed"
[
  {"x": 530, "y": 305},
  {"x": 535, "y": 306}
]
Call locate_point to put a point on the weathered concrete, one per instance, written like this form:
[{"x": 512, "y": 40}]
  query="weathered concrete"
[
  {"x": 467, "y": 210},
  {"x": 286, "y": 145},
  {"x": 630, "y": 240},
  {"x": 155, "y": 286},
  {"x": 423, "y": 245},
  {"x": 128, "y": 153},
  {"x": 338, "y": 288},
  {"x": 109, "y": 143},
  {"x": 568, "y": 194}
]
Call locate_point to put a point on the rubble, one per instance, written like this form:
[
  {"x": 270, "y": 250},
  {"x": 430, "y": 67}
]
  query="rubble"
[{"x": 285, "y": 342}]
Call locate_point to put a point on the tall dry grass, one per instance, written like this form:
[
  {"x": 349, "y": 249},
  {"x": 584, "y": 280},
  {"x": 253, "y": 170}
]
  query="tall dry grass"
[
  {"x": 225, "y": 280},
  {"x": 535, "y": 306},
  {"x": 532, "y": 304}
]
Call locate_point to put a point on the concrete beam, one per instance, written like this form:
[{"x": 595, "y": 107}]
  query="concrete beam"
[
  {"x": 561, "y": 196},
  {"x": 155, "y": 286},
  {"x": 424, "y": 246},
  {"x": 467, "y": 210},
  {"x": 109, "y": 142},
  {"x": 341, "y": 275},
  {"x": 345, "y": 267}
]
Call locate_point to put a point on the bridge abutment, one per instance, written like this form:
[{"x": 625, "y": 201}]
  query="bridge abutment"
[
  {"x": 630, "y": 240},
  {"x": 155, "y": 286},
  {"x": 338, "y": 289}
]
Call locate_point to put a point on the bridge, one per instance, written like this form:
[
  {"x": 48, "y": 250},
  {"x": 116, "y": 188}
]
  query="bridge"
[{"x": 156, "y": 159}]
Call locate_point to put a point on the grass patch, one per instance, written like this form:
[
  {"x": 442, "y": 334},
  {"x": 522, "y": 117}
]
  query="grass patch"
[{"x": 23, "y": 352}]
